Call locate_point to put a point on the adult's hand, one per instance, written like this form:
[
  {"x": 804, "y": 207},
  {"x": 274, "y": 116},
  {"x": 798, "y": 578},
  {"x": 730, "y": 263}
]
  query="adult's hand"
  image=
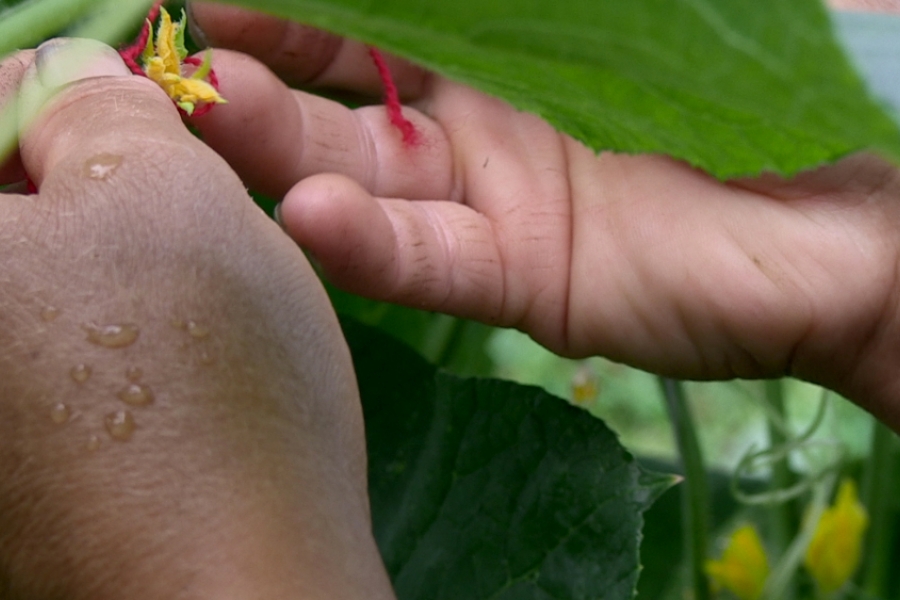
[
  {"x": 178, "y": 411},
  {"x": 498, "y": 217}
]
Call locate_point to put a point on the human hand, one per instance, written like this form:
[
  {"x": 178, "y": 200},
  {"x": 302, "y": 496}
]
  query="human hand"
[
  {"x": 212, "y": 447},
  {"x": 496, "y": 216}
]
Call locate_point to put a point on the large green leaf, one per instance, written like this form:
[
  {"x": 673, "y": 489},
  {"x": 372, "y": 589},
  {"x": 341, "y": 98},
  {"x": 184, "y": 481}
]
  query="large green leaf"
[
  {"x": 732, "y": 86},
  {"x": 486, "y": 489}
]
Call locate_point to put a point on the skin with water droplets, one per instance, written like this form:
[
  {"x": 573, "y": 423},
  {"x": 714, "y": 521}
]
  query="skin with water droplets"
[
  {"x": 60, "y": 413},
  {"x": 50, "y": 313},
  {"x": 136, "y": 394},
  {"x": 197, "y": 331},
  {"x": 101, "y": 166},
  {"x": 134, "y": 374},
  {"x": 112, "y": 336},
  {"x": 80, "y": 373},
  {"x": 120, "y": 425},
  {"x": 93, "y": 443}
]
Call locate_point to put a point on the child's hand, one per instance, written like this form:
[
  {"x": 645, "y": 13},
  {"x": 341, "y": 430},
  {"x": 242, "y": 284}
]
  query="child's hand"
[
  {"x": 212, "y": 445},
  {"x": 497, "y": 217}
]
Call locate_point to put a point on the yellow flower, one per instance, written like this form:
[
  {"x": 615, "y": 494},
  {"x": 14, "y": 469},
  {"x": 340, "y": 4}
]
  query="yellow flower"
[
  {"x": 834, "y": 552},
  {"x": 743, "y": 568},
  {"x": 162, "y": 63},
  {"x": 584, "y": 386}
]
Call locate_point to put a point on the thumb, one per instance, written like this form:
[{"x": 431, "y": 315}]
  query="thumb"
[{"x": 78, "y": 101}]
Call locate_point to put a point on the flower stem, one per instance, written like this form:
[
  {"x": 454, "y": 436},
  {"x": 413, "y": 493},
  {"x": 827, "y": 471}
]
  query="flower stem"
[
  {"x": 781, "y": 515},
  {"x": 879, "y": 481},
  {"x": 695, "y": 491}
]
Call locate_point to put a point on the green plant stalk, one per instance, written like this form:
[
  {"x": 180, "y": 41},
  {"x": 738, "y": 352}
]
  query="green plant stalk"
[
  {"x": 879, "y": 481},
  {"x": 782, "y": 576},
  {"x": 781, "y": 515},
  {"x": 113, "y": 19},
  {"x": 35, "y": 20},
  {"x": 695, "y": 490}
]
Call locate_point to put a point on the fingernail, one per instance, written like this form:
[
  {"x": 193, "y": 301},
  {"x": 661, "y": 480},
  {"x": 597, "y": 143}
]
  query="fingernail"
[
  {"x": 276, "y": 213},
  {"x": 59, "y": 62},
  {"x": 62, "y": 61},
  {"x": 196, "y": 32}
]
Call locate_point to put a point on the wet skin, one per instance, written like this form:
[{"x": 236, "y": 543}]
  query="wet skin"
[{"x": 178, "y": 411}]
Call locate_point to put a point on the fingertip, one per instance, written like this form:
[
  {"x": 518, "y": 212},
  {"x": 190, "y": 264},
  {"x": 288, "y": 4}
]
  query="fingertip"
[
  {"x": 345, "y": 229},
  {"x": 259, "y": 131},
  {"x": 77, "y": 96},
  {"x": 12, "y": 69}
]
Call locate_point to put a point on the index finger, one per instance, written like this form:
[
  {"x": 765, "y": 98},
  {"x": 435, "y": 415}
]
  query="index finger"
[{"x": 301, "y": 55}]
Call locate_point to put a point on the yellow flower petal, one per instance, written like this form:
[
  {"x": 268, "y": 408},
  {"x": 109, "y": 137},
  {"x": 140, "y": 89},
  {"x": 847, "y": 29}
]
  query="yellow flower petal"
[
  {"x": 165, "y": 43},
  {"x": 195, "y": 90},
  {"x": 743, "y": 568},
  {"x": 834, "y": 553},
  {"x": 155, "y": 69},
  {"x": 165, "y": 69}
]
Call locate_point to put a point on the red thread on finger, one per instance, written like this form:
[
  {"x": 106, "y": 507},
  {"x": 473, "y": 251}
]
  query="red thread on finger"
[{"x": 392, "y": 104}]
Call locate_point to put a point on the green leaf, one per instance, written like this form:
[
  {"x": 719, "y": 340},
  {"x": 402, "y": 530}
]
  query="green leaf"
[
  {"x": 486, "y": 489},
  {"x": 732, "y": 86},
  {"x": 180, "y": 28},
  {"x": 458, "y": 345}
]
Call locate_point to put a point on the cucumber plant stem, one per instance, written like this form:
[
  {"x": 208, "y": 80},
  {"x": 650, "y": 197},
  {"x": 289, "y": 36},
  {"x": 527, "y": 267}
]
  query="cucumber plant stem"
[{"x": 695, "y": 490}]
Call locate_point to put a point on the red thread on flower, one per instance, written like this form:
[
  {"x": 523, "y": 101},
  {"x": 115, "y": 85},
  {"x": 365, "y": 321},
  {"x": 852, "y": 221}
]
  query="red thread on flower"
[
  {"x": 131, "y": 53},
  {"x": 411, "y": 136},
  {"x": 213, "y": 81}
]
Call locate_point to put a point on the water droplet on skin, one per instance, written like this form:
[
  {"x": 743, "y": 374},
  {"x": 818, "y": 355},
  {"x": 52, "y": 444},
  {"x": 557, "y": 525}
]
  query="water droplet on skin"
[
  {"x": 206, "y": 359},
  {"x": 112, "y": 336},
  {"x": 60, "y": 413},
  {"x": 135, "y": 394},
  {"x": 197, "y": 331},
  {"x": 101, "y": 166},
  {"x": 120, "y": 425},
  {"x": 134, "y": 374},
  {"x": 80, "y": 373},
  {"x": 93, "y": 443},
  {"x": 49, "y": 314}
]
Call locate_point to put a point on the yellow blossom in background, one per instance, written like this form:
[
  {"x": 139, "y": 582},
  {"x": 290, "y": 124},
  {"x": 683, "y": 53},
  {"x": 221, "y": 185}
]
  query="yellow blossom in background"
[
  {"x": 163, "y": 64},
  {"x": 743, "y": 568},
  {"x": 834, "y": 552},
  {"x": 585, "y": 388}
]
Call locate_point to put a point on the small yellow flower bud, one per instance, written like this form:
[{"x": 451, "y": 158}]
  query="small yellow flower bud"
[
  {"x": 833, "y": 554},
  {"x": 743, "y": 568}
]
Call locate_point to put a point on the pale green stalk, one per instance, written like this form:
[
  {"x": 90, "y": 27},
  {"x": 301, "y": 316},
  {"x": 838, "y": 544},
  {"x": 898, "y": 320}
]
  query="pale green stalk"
[
  {"x": 879, "y": 483},
  {"x": 112, "y": 20},
  {"x": 27, "y": 24},
  {"x": 695, "y": 507},
  {"x": 782, "y": 576},
  {"x": 781, "y": 515}
]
